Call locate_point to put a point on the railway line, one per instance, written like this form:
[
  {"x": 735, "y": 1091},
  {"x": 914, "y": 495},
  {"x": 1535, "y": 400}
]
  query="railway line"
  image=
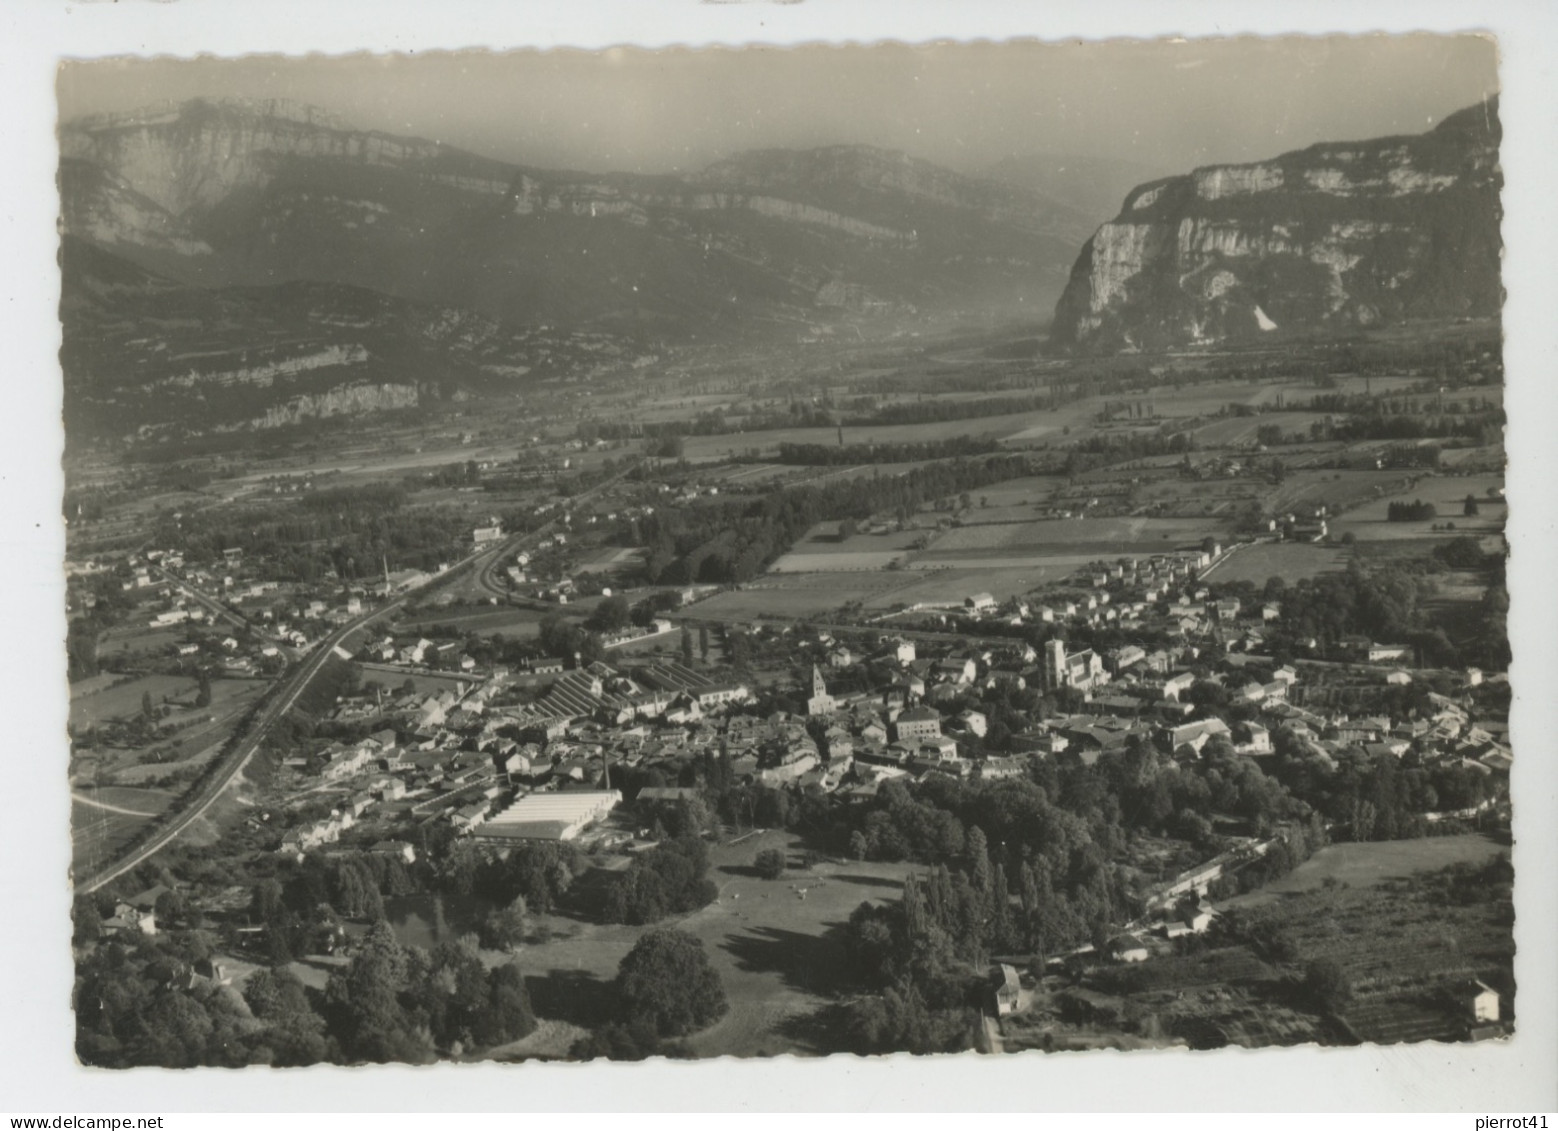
[{"x": 292, "y": 687}]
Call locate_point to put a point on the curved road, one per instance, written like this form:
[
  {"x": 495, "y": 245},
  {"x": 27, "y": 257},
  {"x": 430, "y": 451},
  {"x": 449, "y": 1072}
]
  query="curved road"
[{"x": 289, "y": 690}]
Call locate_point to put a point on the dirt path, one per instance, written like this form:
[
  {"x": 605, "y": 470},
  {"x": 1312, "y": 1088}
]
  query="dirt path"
[{"x": 111, "y": 808}]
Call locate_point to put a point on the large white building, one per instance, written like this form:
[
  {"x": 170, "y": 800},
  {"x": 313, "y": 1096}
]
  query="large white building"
[{"x": 550, "y": 816}]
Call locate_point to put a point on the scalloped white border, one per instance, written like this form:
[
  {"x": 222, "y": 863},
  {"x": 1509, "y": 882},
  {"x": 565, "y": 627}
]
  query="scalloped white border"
[{"x": 37, "y": 1073}]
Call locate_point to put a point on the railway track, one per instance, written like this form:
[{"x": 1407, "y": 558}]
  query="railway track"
[{"x": 291, "y": 689}]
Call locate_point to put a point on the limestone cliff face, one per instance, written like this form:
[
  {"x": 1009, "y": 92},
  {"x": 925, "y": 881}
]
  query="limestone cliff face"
[
  {"x": 1336, "y": 236},
  {"x": 345, "y": 400},
  {"x": 192, "y": 156}
]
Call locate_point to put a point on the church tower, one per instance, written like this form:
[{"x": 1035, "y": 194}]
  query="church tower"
[
  {"x": 820, "y": 703},
  {"x": 1054, "y": 664}
]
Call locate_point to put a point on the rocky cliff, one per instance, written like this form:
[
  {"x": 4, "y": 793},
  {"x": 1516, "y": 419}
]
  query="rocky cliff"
[{"x": 1333, "y": 237}]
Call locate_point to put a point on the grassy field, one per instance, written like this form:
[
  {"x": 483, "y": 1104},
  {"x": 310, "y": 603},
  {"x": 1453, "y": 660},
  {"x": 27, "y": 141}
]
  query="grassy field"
[
  {"x": 848, "y": 562},
  {"x": 698, "y": 448},
  {"x": 768, "y": 942},
  {"x": 1291, "y": 561},
  {"x": 1365, "y": 865},
  {"x": 948, "y": 586},
  {"x": 1120, "y": 536},
  {"x": 1240, "y": 431},
  {"x": 801, "y": 594},
  {"x": 514, "y": 623},
  {"x": 125, "y": 700},
  {"x": 821, "y": 550},
  {"x": 1447, "y": 492}
]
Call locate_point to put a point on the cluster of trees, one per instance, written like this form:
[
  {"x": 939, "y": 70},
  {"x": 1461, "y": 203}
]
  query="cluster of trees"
[
  {"x": 538, "y": 872},
  {"x": 851, "y": 455},
  {"x": 665, "y": 989},
  {"x": 1415, "y": 511},
  {"x": 559, "y": 636},
  {"x": 1385, "y": 602},
  {"x": 303, "y": 907},
  {"x": 669, "y": 879},
  {"x": 770, "y": 863},
  {"x": 1375, "y": 796},
  {"x": 1060, "y": 849},
  {"x": 402, "y": 1003},
  {"x": 351, "y": 530},
  {"x": 139, "y": 1001}
]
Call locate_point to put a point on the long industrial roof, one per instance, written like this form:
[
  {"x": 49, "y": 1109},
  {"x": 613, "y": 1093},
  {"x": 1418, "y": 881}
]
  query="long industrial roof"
[{"x": 567, "y": 807}]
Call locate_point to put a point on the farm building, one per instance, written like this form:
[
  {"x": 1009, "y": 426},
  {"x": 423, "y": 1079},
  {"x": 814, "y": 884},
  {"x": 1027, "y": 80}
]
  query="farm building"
[
  {"x": 1129, "y": 948},
  {"x": 1479, "y": 999},
  {"x": 550, "y": 816}
]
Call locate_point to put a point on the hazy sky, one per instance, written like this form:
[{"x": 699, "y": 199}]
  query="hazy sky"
[{"x": 1166, "y": 105}]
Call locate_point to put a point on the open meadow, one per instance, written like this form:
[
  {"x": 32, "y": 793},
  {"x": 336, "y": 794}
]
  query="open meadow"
[
  {"x": 769, "y": 940},
  {"x": 1291, "y": 561},
  {"x": 1369, "y": 521},
  {"x": 1371, "y": 863},
  {"x": 125, "y": 700},
  {"x": 1071, "y": 536}
]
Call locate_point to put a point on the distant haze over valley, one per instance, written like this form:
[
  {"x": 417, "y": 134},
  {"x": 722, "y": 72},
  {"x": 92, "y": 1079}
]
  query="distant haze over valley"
[{"x": 246, "y": 257}]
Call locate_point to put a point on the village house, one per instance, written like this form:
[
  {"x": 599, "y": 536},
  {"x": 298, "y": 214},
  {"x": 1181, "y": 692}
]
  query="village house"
[{"x": 917, "y": 724}]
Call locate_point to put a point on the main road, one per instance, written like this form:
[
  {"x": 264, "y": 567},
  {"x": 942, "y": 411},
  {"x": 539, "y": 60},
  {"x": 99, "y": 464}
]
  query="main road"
[{"x": 290, "y": 689}]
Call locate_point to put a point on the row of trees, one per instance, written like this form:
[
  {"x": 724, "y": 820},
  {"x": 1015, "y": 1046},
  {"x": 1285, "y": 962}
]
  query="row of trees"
[
  {"x": 1415, "y": 511},
  {"x": 851, "y": 455}
]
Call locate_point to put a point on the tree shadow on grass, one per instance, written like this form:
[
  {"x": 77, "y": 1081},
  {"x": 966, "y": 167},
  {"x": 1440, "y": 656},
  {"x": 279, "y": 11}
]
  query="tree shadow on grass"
[
  {"x": 821, "y": 1031},
  {"x": 745, "y": 871},
  {"x": 812, "y": 963},
  {"x": 869, "y": 881},
  {"x": 575, "y": 996}
]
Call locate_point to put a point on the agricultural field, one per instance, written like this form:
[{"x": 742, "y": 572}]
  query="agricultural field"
[
  {"x": 1241, "y": 431},
  {"x": 822, "y": 550},
  {"x": 839, "y": 561},
  {"x": 1400, "y": 928},
  {"x": 800, "y": 595},
  {"x": 1291, "y": 561},
  {"x": 951, "y": 585},
  {"x": 125, "y": 700},
  {"x": 1089, "y": 536},
  {"x": 612, "y": 559},
  {"x": 1447, "y": 493},
  {"x": 103, "y": 819},
  {"x": 1006, "y": 427},
  {"x": 1338, "y": 490},
  {"x": 1402, "y": 942}
]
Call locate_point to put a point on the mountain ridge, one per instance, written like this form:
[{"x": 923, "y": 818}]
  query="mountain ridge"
[{"x": 1332, "y": 237}]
